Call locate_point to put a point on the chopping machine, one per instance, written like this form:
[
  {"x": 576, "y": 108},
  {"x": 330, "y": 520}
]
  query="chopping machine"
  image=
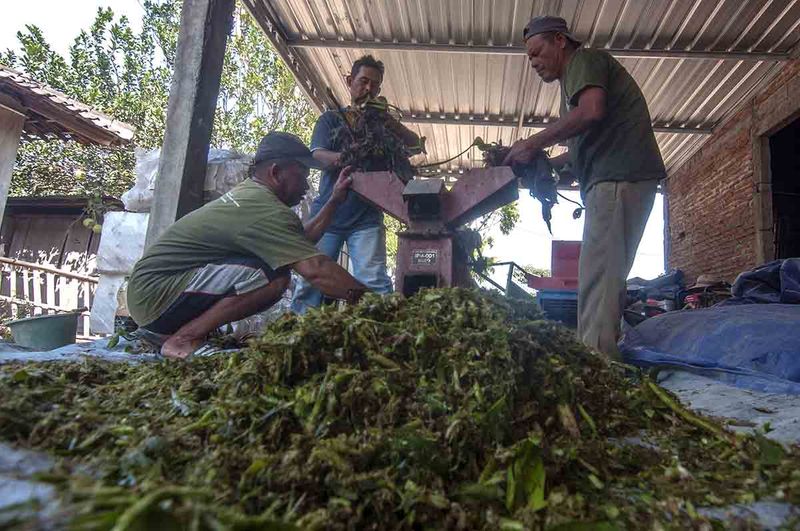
[{"x": 436, "y": 249}]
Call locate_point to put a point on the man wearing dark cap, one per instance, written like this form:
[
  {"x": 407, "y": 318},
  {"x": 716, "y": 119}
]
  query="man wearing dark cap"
[
  {"x": 613, "y": 151},
  {"x": 231, "y": 258}
]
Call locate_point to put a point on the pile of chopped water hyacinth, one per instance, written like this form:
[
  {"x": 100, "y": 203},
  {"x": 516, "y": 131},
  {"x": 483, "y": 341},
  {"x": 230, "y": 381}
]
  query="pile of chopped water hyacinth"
[{"x": 449, "y": 410}]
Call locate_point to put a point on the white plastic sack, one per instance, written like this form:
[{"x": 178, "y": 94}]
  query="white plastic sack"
[
  {"x": 121, "y": 242},
  {"x": 140, "y": 197},
  {"x": 225, "y": 170},
  {"x": 121, "y": 245},
  {"x": 104, "y": 305}
]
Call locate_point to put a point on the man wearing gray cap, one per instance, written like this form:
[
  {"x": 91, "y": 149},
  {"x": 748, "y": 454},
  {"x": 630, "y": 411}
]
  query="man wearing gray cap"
[
  {"x": 231, "y": 258},
  {"x": 613, "y": 151}
]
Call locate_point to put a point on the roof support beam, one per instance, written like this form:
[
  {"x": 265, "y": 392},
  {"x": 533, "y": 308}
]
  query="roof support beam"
[
  {"x": 203, "y": 35},
  {"x": 11, "y": 124},
  {"x": 520, "y": 50},
  {"x": 415, "y": 117}
]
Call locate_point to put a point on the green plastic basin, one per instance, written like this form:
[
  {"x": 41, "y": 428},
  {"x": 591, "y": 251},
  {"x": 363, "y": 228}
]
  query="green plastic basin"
[{"x": 45, "y": 332}]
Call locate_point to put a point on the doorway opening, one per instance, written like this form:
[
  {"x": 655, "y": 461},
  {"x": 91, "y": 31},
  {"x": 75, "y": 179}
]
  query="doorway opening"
[{"x": 784, "y": 151}]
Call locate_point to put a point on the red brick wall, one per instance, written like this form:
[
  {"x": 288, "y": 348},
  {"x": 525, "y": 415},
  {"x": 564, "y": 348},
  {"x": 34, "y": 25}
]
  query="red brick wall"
[{"x": 711, "y": 197}]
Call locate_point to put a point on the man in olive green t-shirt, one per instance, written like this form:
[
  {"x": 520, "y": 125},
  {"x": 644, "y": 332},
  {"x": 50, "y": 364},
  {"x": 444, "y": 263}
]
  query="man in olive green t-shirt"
[
  {"x": 231, "y": 258},
  {"x": 612, "y": 150}
]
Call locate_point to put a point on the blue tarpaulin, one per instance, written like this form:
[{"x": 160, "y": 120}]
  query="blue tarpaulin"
[
  {"x": 772, "y": 283},
  {"x": 751, "y": 341},
  {"x": 756, "y": 346}
]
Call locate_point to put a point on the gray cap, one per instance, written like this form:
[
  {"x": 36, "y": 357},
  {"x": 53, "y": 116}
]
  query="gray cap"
[
  {"x": 280, "y": 145},
  {"x": 548, "y": 24}
]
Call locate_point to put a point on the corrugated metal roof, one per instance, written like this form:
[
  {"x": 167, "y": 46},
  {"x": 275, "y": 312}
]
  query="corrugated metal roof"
[
  {"x": 51, "y": 113},
  {"x": 457, "y": 68}
]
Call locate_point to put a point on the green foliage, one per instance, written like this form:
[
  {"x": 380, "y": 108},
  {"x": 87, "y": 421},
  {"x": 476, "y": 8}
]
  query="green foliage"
[
  {"x": 126, "y": 74},
  {"x": 520, "y": 277},
  {"x": 448, "y": 410},
  {"x": 505, "y": 218},
  {"x": 258, "y": 92},
  {"x": 392, "y": 228},
  {"x": 508, "y": 217},
  {"x": 538, "y": 271},
  {"x": 68, "y": 168}
]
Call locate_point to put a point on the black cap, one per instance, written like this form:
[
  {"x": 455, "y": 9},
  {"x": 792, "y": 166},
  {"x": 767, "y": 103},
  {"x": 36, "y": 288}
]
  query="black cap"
[
  {"x": 547, "y": 24},
  {"x": 279, "y": 145}
]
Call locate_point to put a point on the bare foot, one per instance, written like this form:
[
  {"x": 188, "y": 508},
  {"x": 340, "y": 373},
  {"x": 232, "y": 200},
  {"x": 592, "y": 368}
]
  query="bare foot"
[{"x": 178, "y": 347}]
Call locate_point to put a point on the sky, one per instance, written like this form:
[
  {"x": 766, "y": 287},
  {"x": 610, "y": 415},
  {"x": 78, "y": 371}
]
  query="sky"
[
  {"x": 60, "y": 20},
  {"x": 528, "y": 244}
]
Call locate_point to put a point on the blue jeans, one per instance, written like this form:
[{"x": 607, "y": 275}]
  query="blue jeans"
[{"x": 367, "y": 249}]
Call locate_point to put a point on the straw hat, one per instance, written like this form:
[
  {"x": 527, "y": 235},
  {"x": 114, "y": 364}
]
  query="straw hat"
[{"x": 705, "y": 281}]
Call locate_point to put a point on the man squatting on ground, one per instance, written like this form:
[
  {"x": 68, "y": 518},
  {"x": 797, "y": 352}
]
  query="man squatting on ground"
[
  {"x": 613, "y": 151},
  {"x": 231, "y": 258},
  {"x": 355, "y": 221}
]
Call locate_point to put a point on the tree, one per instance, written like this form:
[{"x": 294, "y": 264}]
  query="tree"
[
  {"x": 127, "y": 76},
  {"x": 258, "y": 92}
]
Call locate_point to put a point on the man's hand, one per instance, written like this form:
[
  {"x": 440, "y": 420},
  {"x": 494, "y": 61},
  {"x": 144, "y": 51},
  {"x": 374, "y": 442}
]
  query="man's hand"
[
  {"x": 330, "y": 278},
  {"x": 329, "y": 159},
  {"x": 354, "y": 295},
  {"x": 342, "y": 185},
  {"x": 315, "y": 227},
  {"x": 559, "y": 161},
  {"x": 522, "y": 152}
]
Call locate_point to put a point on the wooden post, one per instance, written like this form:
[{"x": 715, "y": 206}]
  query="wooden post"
[
  {"x": 37, "y": 292},
  {"x": 12, "y": 119},
  {"x": 12, "y": 290},
  {"x": 26, "y": 285},
  {"x": 205, "y": 25},
  {"x": 50, "y": 281}
]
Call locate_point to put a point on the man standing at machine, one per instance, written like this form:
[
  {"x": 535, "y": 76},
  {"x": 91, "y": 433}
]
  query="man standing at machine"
[
  {"x": 613, "y": 152},
  {"x": 355, "y": 222}
]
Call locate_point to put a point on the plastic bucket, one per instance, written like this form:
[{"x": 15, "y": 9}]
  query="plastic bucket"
[{"x": 45, "y": 332}]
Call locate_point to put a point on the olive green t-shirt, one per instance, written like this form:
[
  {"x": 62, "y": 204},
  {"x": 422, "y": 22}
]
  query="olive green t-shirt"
[
  {"x": 622, "y": 147},
  {"x": 249, "y": 220}
]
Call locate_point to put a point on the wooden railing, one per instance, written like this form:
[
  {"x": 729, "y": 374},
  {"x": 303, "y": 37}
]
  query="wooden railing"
[{"x": 28, "y": 289}]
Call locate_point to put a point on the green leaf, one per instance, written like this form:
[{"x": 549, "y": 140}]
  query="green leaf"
[
  {"x": 488, "y": 470},
  {"x": 255, "y": 467},
  {"x": 506, "y": 524},
  {"x": 526, "y": 478},
  {"x": 535, "y": 485},
  {"x": 612, "y": 511},
  {"x": 511, "y": 490},
  {"x": 771, "y": 453},
  {"x": 113, "y": 342},
  {"x": 588, "y": 419},
  {"x": 584, "y": 526},
  {"x": 480, "y": 492},
  {"x": 596, "y": 482}
]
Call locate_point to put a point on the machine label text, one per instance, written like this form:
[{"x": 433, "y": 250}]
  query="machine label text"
[{"x": 424, "y": 257}]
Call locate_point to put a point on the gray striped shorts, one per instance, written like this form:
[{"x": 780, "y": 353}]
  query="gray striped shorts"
[{"x": 211, "y": 283}]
